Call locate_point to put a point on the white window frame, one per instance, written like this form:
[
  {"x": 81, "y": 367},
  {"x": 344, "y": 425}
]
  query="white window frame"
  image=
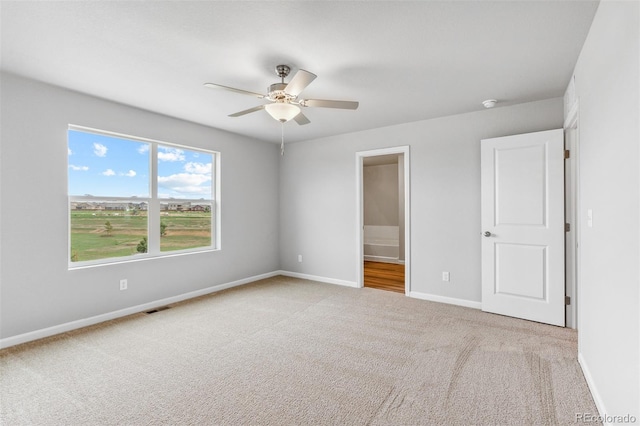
[{"x": 153, "y": 205}]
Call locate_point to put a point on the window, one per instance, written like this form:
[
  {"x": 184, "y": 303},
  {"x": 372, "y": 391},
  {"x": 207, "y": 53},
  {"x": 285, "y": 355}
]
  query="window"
[{"x": 135, "y": 198}]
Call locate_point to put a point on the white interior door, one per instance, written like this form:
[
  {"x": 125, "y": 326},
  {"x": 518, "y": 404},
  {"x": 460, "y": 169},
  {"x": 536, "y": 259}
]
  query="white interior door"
[{"x": 523, "y": 226}]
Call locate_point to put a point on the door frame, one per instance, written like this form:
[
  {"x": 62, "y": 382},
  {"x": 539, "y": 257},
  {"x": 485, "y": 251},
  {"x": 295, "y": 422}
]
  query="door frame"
[
  {"x": 360, "y": 156},
  {"x": 572, "y": 216}
]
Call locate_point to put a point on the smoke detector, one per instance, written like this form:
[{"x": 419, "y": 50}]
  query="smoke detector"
[{"x": 489, "y": 103}]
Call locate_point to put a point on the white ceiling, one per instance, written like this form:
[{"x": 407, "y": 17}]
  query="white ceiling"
[{"x": 404, "y": 61}]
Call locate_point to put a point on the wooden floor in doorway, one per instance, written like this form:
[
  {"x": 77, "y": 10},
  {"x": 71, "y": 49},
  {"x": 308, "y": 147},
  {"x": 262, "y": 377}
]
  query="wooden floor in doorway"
[{"x": 384, "y": 276}]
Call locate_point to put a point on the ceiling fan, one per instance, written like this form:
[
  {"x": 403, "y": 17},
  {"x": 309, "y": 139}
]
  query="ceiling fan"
[{"x": 285, "y": 104}]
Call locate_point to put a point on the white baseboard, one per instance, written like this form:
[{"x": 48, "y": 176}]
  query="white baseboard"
[
  {"x": 319, "y": 278},
  {"x": 383, "y": 259},
  {"x": 73, "y": 325},
  {"x": 597, "y": 399},
  {"x": 444, "y": 299},
  {"x": 414, "y": 294}
]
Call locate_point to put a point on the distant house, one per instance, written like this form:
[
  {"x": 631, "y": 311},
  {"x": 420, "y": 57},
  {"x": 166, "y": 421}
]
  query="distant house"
[
  {"x": 181, "y": 206},
  {"x": 140, "y": 206},
  {"x": 81, "y": 206},
  {"x": 116, "y": 206},
  {"x": 85, "y": 206}
]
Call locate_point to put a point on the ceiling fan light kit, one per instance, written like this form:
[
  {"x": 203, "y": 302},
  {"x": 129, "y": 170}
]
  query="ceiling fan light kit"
[{"x": 282, "y": 111}]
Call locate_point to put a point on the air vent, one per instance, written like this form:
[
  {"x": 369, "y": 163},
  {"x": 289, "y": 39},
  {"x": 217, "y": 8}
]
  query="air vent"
[{"x": 153, "y": 311}]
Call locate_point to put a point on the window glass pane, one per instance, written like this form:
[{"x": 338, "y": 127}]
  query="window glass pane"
[
  {"x": 104, "y": 229},
  {"x": 111, "y": 194},
  {"x": 185, "y": 225},
  {"x": 107, "y": 166},
  {"x": 184, "y": 174}
]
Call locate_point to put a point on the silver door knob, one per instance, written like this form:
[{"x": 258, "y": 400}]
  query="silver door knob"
[{"x": 487, "y": 234}]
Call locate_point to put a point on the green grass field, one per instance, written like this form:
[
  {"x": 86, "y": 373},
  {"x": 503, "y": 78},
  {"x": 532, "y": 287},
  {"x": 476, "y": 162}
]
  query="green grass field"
[{"x": 90, "y": 239}]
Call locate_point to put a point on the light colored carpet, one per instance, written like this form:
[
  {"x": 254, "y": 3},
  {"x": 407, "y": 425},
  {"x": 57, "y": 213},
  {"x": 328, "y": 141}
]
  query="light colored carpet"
[{"x": 287, "y": 351}]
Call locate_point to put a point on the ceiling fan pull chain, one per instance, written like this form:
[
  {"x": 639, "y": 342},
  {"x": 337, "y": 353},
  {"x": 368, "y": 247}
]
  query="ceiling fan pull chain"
[{"x": 282, "y": 140}]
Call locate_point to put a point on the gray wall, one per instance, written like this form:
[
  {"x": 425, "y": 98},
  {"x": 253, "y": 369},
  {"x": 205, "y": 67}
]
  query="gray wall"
[
  {"x": 318, "y": 196},
  {"x": 607, "y": 86},
  {"x": 381, "y": 195},
  {"x": 37, "y": 290}
]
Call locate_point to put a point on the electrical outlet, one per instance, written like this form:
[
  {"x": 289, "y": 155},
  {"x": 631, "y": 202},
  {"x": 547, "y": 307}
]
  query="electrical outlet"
[
  {"x": 300, "y": 258},
  {"x": 123, "y": 284},
  {"x": 445, "y": 276}
]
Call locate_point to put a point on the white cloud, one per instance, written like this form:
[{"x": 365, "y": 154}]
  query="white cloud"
[
  {"x": 170, "y": 154},
  {"x": 130, "y": 173},
  {"x": 200, "y": 168},
  {"x": 108, "y": 172},
  {"x": 99, "y": 149},
  {"x": 143, "y": 148},
  {"x": 186, "y": 183},
  {"x": 69, "y": 152},
  {"x": 79, "y": 168}
]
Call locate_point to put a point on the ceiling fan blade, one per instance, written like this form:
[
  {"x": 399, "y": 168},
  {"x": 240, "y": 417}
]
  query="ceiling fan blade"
[
  {"x": 233, "y": 89},
  {"x": 299, "y": 81},
  {"x": 247, "y": 111},
  {"x": 324, "y": 103},
  {"x": 301, "y": 119}
]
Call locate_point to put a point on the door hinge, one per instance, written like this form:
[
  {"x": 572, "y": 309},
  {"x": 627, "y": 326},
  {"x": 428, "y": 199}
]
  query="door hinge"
[
  {"x": 567, "y": 300},
  {"x": 567, "y": 154},
  {"x": 567, "y": 227}
]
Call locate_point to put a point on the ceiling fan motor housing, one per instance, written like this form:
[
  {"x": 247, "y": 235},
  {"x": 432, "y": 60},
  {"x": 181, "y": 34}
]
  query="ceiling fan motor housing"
[
  {"x": 276, "y": 92},
  {"x": 282, "y": 70}
]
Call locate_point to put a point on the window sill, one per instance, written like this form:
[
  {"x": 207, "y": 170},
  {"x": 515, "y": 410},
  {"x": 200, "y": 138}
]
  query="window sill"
[{"x": 138, "y": 258}]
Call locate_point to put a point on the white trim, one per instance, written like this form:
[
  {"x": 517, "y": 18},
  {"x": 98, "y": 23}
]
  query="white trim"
[
  {"x": 73, "y": 325},
  {"x": 447, "y": 300},
  {"x": 217, "y": 175},
  {"x": 572, "y": 116},
  {"x": 405, "y": 150},
  {"x": 572, "y": 197},
  {"x": 383, "y": 259},
  {"x": 142, "y": 257},
  {"x": 318, "y": 278},
  {"x": 597, "y": 399},
  {"x": 153, "y": 208}
]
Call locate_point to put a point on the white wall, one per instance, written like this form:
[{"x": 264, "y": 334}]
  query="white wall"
[
  {"x": 37, "y": 290},
  {"x": 607, "y": 87},
  {"x": 318, "y": 196},
  {"x": 380, "y": 195}
]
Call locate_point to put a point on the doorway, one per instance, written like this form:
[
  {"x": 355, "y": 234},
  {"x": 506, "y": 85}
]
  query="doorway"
[{"x": 383, "y": 225}]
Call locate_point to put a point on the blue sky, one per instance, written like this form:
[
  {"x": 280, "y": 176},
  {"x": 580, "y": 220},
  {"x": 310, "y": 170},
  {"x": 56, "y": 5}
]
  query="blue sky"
[{"x": 102, "y": 165}]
